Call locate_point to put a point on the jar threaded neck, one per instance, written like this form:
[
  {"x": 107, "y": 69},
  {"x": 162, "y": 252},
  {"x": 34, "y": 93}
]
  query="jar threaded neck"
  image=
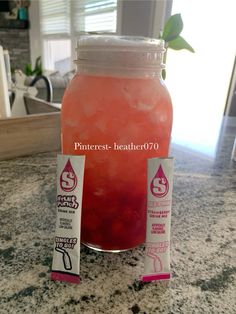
[{"x": 120, "y": 55}]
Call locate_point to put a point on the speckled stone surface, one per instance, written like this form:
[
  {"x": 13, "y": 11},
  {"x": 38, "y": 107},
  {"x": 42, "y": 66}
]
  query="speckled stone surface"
[{"x": 203, "y": 258}]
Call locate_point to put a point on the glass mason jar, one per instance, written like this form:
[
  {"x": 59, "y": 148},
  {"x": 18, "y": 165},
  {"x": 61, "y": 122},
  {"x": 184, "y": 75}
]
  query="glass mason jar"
[{"x": 116, "y": 111}]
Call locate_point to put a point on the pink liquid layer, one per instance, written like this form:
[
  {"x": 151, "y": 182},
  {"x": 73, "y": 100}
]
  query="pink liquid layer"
[{"x": 105, "y": 110}]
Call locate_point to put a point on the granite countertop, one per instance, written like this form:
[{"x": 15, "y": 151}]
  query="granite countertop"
[{"x": 202, "y": 253}]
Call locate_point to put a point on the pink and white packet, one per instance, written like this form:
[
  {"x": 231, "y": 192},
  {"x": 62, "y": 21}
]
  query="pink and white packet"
[
  {"x": 66, "y": 255},
  {"x": 159, "y": 200}
]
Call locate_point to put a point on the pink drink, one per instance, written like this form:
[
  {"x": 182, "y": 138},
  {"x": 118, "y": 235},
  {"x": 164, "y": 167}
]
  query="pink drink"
[{"x": 111, "y": 111}]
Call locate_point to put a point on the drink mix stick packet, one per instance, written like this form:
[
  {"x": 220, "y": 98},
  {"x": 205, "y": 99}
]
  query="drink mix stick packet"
[
  {"x": 159, "y": 199},
  {"x": 66, "y": 255}
]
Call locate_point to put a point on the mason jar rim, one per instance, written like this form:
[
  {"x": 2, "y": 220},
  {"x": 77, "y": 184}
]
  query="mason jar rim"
[
  {"x": 122, "y": 42},
  {"x": 107, "y": 53}
]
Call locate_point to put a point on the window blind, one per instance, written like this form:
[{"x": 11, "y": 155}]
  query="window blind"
[
  {"x": 85, "y": 15},
  {"x": 94, "y": 15},
  {"x": 55, "y": 17}
]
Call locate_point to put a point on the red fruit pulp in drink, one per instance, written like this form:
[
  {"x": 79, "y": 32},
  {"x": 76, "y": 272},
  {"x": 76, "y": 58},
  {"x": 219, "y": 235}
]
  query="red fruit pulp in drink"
[{"x": 112, "y": 111}]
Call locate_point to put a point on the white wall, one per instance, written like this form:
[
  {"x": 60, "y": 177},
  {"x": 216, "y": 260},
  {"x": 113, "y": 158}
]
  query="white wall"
[
  {"x": 34, "y": 32},
  {"x": 199, "y": 82}
]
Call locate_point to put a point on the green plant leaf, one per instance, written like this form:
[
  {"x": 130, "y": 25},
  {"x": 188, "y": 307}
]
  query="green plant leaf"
[
  {"x": 38, "y": 70},
  {"x": 180, "y": 43},
  {"x": 173, "y": 27},
  {"x": 28, "y": 70}
]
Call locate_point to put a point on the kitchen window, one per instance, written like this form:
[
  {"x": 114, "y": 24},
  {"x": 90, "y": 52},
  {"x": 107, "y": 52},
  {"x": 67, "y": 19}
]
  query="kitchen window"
[{"x": 61, "y": 21}]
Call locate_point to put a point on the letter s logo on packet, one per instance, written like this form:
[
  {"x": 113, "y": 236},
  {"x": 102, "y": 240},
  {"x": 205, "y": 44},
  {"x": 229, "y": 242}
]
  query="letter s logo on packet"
[
  {"x": 159, "y": 185},
  {"x": 68, "y": 179}
]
